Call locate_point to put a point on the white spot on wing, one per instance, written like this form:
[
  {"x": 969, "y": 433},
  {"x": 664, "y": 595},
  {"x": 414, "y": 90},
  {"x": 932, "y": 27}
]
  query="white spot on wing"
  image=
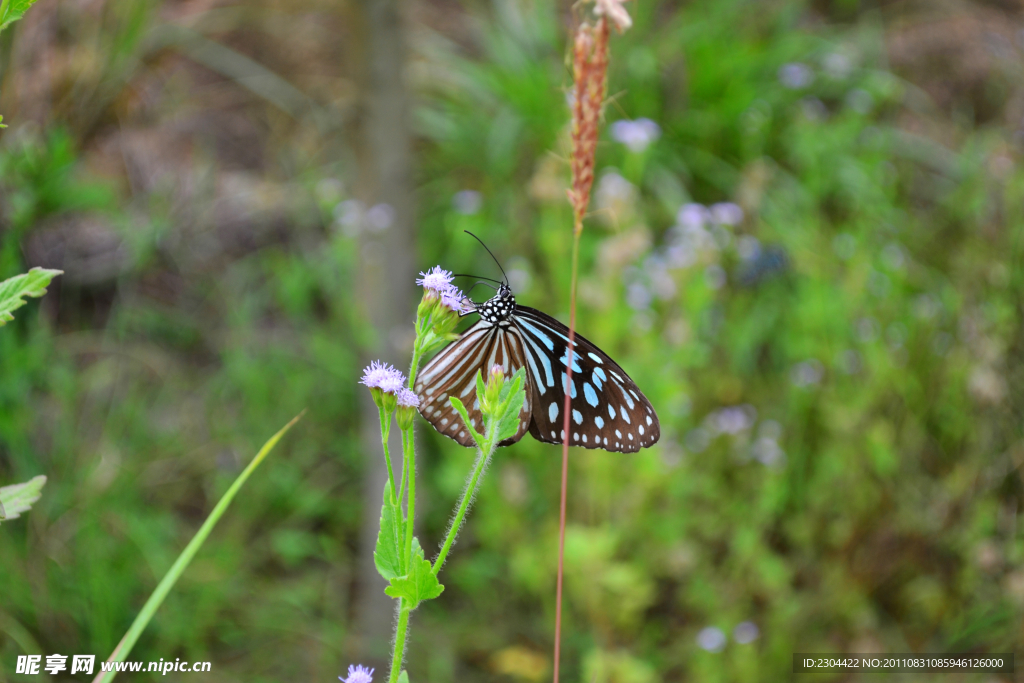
[{"x": 552, "y": 412}]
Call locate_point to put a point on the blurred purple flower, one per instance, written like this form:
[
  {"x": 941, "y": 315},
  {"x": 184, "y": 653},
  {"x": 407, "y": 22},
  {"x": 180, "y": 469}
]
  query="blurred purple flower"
[
  {"x": 837, "y": 65},
  {"x": 748, "y": 247},
  {"x": 795, "y": 75},
  {"x": 408, "y": 398},
  {"x": 693, "y": 216},
  {"x": 358, "y": 674},
  {"x": 807, "y": 373},
  {"x": 727, "y": 213},
  {"x": 711, "y": 639},
  {"x": 746, "y": 632},
  {"x": 437, "y": 279},
  {"x": 734, "y": 419},
  {"x": 637, "y": 135},
  {"x": 380, "y": 217},
  {"x": 467, "y": 202}
]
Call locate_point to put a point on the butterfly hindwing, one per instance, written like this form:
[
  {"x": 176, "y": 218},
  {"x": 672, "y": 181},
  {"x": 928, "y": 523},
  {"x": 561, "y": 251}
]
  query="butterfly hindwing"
[
  {"x": 452, "y": 372},
  {"x": 608, "y": 409}
]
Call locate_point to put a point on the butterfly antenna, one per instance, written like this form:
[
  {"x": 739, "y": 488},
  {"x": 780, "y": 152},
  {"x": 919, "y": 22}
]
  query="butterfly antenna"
[
  {"x": 489, "y": 252},
  {"x": 476, "y": 276},
  {"x": 479, "y": 282}
]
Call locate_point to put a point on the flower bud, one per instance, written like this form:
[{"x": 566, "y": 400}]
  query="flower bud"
[
  {"x": 407, "y": 402},
  {"x": 492, "y": 391}
]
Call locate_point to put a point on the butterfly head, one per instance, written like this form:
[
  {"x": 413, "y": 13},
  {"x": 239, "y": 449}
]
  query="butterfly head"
[{"x": 499, "y": 308}]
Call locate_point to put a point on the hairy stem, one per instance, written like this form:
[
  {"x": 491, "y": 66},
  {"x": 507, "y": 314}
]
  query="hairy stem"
[
  {"x": 410, "y": 467},
  {"x": 399, "y": 653},
  {"x": 385, "y": 432},
  {"x": 483, "y": 454}
]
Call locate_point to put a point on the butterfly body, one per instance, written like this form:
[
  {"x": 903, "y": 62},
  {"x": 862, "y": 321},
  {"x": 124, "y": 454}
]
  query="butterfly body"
[{"x": 608, "y": 410}]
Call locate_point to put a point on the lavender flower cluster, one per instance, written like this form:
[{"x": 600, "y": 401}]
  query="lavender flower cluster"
[
  {"x": 358, "y": 674},
  {"x": 389, "y": 380},
  {"x": 439, "y": 281}
]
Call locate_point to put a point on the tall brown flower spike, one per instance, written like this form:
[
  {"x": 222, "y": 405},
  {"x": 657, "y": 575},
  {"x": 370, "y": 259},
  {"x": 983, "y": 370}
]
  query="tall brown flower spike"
[
  {"x": 590, "y": 72},
  {"x": 590, "y": 69}
]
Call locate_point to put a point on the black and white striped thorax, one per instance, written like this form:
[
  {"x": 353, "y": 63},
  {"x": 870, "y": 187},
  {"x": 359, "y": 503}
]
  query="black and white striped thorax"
[
  {"x": 499, "y": 309},
  {"x": 607, "y": 408}
]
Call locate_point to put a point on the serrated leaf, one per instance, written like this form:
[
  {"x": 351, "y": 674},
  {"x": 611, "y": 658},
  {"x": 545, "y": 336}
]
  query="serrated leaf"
[
  {"x": 461, "y": 409},
  {"x": 13, "y": 290},
  {"x": 419, "y": 584},
  {"x": 403, "y": 677},
  {"x": 18, "y": 498},
  {"x": 509, "y": 424},
  {"x": 388, "y": 554},
  {"x": 12, "y": 10}
]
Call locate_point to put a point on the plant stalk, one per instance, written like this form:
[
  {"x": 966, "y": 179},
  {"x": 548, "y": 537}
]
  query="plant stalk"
[
  {"x": 577, "y": 231},
  {"x": 399, "y": 654},
  {"x": 467, "y": 495}
]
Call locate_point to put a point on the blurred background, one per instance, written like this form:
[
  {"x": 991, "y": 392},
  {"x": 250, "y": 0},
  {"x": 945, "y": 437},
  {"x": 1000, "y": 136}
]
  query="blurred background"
[{"x": 805, "y": 247}]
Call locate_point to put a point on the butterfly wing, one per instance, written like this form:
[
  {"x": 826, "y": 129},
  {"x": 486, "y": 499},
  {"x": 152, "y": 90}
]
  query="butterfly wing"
[
  {"x": 452, "y": 372},
  {"x": 608, "y": 409}
]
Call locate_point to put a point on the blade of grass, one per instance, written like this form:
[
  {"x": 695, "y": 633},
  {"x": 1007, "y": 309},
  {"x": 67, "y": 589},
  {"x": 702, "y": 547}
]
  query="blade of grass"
[{"x": 174, "y": 573}]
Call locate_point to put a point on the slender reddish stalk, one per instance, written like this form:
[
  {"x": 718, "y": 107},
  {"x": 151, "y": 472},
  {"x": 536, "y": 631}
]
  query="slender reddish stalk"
[{"x": 590, "y": 67}]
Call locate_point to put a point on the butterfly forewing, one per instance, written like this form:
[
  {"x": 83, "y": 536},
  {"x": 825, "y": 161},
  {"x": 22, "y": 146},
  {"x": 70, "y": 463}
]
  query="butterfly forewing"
[
  {"x": 452, "y": 372},
  {"x": 608, "y": 409}
]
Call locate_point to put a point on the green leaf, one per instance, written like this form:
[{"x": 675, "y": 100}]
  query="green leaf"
[
  {"x": 513, "y": 396},
  {"x": 12, "y": 291},
  {"x": 457, "y": 404},
  {"x": 18, "y": 498},
  {"x": 2, "y": 122},
  {"x": 403, "y": 677},
  {"x": 419, "y": 584},
  {"x": 12, "y": 10},
  {"x": 388, "y": 555}
]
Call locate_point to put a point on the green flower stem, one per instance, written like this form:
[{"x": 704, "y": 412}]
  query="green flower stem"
[
  {"x": 385, "y": 431},
  {"x": 410, "y": 467},
  {"x": 124, "y": 648},
  {"x": 396, "y": 658},
  {"x": 484, "y": 453}
]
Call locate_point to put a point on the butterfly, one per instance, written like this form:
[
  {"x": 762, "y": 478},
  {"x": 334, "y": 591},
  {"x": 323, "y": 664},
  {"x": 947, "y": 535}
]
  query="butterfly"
[{"x": 608, "y": 409}]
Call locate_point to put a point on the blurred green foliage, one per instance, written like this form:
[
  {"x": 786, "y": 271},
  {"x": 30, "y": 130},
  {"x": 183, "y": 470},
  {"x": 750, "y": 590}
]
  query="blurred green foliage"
[{"x": 837, "y": 374}]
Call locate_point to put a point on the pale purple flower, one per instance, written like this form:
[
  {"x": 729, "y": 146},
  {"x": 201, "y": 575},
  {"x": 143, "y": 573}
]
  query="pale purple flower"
[
  {"x": 380, "y": 217},
  {"x": 393, "y": 383},
  {"x": 795, "y": 75},
  {"x": 407, "y": 398},
  {"x": 693, "y": 216},
  {"x": 453, "y": 298},
  {"x": 807, "y": 373},
  {"x": 746, "y": 632},
  {"x": 726, "y": 213},
  {"x": 711, "y": 639},
  {"x": 376, "y": 374},
  {"x": 358, "y": 674},
  {"x": 437, "y": 279},
  {"x": 467, "y": 202},
  {"x": 637, "y": 134}
]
